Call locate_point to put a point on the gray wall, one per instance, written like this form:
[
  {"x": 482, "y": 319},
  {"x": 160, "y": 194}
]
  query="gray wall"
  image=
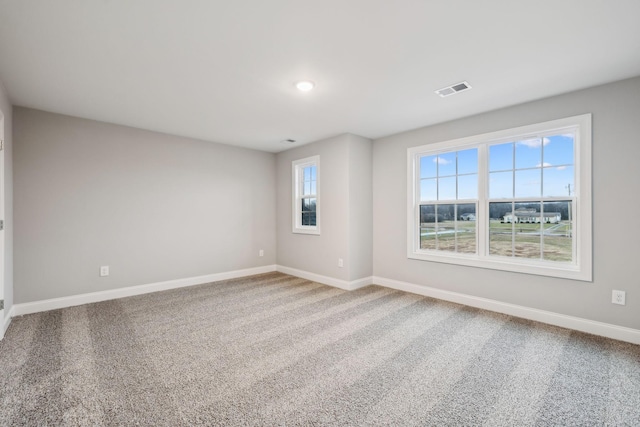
[
  {"x": 153, "y": 207},
  {"x": 157, "y": 207},
  {"x": 360, "y": 206},
  {"x": 616, "y": 177},
  {"x": 344, "y": 168},
  {"x": 7, "y": 182}
]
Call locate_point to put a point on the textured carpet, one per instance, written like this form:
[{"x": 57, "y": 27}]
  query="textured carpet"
[{"x": 278, "y": 350}]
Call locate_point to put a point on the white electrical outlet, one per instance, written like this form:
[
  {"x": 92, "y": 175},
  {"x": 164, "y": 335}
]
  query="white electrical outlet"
[
  {"x": 618, "y": 297},
  {"x": 104, "y": 271},
  {"x": 261, "y": 253},
  {"x": 340, "y": 262}
]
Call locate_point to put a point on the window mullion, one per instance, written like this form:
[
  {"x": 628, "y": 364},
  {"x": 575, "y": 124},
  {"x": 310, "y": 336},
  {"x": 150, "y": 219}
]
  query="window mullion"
[
  {"x": 482, "y": 205},
  {"x": 542, "y": 221}
]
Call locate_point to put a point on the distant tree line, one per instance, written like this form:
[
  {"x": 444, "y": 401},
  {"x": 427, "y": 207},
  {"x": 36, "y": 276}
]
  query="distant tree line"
[{"x": 431, "y": 213}]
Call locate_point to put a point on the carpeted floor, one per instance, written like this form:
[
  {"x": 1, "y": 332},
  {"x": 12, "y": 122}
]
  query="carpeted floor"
[{"x": 278, "y": 350}]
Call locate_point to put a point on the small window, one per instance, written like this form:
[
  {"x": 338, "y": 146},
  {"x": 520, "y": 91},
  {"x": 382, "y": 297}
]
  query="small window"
[
  {"x": 306, "y": 195},
  {"x": 516, "y": 200}
]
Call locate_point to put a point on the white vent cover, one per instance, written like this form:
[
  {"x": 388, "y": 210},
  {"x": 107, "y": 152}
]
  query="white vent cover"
[{"x": 450, "y": 90}]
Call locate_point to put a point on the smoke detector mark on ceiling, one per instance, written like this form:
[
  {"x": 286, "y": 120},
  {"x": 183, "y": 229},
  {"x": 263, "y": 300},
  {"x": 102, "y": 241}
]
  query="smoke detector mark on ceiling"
[
  {"x": 288, "y": 141},
  {"x": 450, "y": 90}
]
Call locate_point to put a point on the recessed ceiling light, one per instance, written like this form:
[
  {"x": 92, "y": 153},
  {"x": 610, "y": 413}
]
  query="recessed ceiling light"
[{"x": 305, "y": 85}]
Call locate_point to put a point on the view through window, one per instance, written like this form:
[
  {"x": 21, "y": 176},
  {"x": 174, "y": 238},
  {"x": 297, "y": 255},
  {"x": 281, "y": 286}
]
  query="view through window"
[{"x": 519, "y": 202}]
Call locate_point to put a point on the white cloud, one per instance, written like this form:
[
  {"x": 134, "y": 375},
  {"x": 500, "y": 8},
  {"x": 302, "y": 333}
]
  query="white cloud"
[
  {"x": 544, "y": 165},
  {"x": 561, "y": 168},
  {"x": 534, "y": 142},
  {"x": 441, "y": 161}
]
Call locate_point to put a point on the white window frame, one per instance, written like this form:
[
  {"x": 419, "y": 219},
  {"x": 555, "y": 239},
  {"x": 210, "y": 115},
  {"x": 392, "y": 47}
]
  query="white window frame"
[
  {"x": 297, "y": 168},
  {"x": 579, "y": 269}
]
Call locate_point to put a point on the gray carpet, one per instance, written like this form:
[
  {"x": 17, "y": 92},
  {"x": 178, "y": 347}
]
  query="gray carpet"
[{"x": 278, "y": 350}]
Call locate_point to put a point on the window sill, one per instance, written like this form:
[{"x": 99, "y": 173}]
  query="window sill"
[
  {"x": 312, "y": 231},
  {"x": 515, "y": 265}
]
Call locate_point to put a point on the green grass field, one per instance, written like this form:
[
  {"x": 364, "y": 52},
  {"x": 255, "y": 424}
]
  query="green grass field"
[{"x": 518, "y": 240}]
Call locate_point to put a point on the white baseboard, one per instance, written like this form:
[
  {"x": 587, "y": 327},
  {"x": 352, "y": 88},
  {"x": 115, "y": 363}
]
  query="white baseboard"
[
  {"x": 579, "y": 324},
  {"x": 5, "y": 321},
  {"x": 326, "y": 280},
  {"x": 570, "y": 322},
  {"x": 70, "y": 301}
]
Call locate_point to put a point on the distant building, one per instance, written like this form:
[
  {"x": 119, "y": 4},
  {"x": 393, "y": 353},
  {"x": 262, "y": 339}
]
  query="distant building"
[
  {"x": 468, "y": 217},
  {"x": 530, "y": 216}
]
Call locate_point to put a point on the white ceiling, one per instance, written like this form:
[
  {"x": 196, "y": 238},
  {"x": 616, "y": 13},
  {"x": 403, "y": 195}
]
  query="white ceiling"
[{"x": 225, "y": 71}]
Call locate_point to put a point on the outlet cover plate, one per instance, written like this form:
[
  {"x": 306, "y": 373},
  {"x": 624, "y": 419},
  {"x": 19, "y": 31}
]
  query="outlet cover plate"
[{"x": 618, "y": 297}]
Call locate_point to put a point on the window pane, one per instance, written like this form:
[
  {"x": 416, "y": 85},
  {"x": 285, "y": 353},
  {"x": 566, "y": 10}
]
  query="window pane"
[
  {"x": 447, "y": 188},
  {"x": 501, "y": 185},
  {"x": 308, "y": 212},
  {"x": 527, "y": 230},
  {"x": 307, "y": 188},
  {"x": 313, "y": 188},
  {"x": 313, "y": 173},
  {"x": 308, "y": 205},
  {"x": 427, "y": 214},
  {"x": 428, "y": 189},
  {"x": 559, "y": 150},
  {"x": 468, "y": 161},
  {"x": 528, "y": 183},
  {"x": 501, "y": 157},
  {"x": 428, "y": 167},
  {"x": 526, "y": 212},
  {"x": 529, "y": 153},
  {"x": 428, "y": 236},
  {"x": 446, "y": 227},
  {"x": 466, "y": 228},
  {"x": 446, "y": 212},
  {"x": 501, "y": 229},
  {"x": 307, "y": 173},
  {"x": 309, "y": 219},
  {"x": 447, "y": 164},
  {"x": 427, "y": 227},
  {"x": 558, "y": 181},
  {"x": 557, "y": 241},
  {"x": 468, "y": 187}
]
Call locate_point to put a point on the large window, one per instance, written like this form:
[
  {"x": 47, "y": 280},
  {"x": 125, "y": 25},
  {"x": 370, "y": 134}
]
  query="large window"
[
  {"x": 516, "y": 200},
  {"x": 306, "y": 195}
]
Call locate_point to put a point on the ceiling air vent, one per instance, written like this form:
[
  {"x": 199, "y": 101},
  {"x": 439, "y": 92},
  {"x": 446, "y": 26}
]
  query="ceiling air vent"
[{"x": 450, "y": 90}]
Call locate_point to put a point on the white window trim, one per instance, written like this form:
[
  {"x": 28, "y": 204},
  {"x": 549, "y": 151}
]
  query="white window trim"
[
  {"x": 581, "y": 269},
  {"x": 296, "y": 168}
]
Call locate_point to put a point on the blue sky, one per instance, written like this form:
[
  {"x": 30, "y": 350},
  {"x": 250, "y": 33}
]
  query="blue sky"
[
  {"x": 309, "y": 180},
  {"x": 440, "y": 171},
  {"x": 538, "y": 166}
]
